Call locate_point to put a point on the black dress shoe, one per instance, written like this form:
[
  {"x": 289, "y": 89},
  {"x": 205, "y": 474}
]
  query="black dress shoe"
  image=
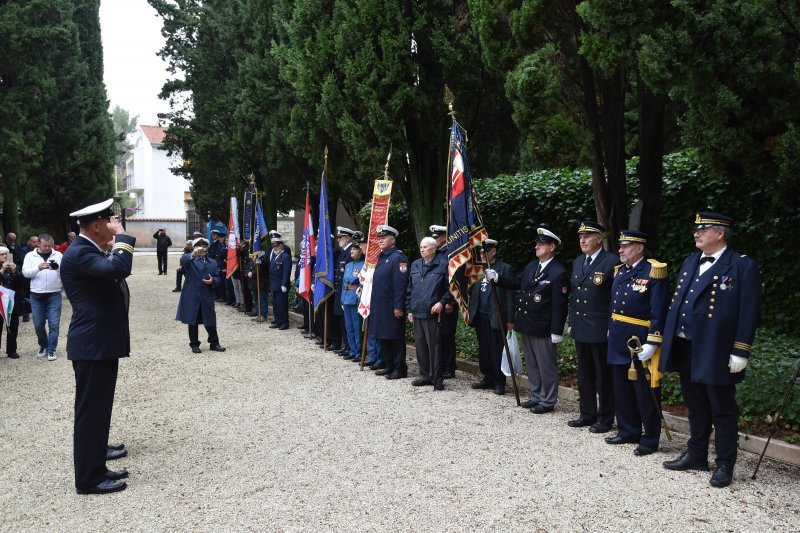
[
  {"x": 116, "y": 446},
  {"x": 383, "y": 372},
  {"x": 579, "y": 423},
  {"x": 273, "y": 325},
  {"x": 116, "y": 474},
  {"x": 641, "y": 450},
  {"x": 397, "y": 375},
  {"x": 115, "y": 454},
  {"x": 13, "y": 355},
  {"x": 616, "y": 439},
  {"x": 419, "y": 382},
  {"x": 196, "y": 349},
  {"x": 723, "y": 476},
  {"x": 104, "y": 487},
  {"x": 483, "y": 384},
  {"x": 374, "y": 366},
  {"x": 283, "y": 327},
  {"x": 542, "y": 409},
  {"x": 527, "y": 404},
  {"x": 439, "y": 385},
  {"x": 599, "y": 427},
  {"x": 176, "y": 289},
  {"x": 448, "y": 375},
  {"x": 686, "y": 462},
  {"x": 217, "y": 348},
  {"x": 500, "y": 389}
]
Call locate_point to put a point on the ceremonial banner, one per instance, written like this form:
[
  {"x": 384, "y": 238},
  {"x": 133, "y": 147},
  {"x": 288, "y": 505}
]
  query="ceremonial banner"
[
  {"x": 465, "y": 228},
  {"x": 233, "y": 238},
  {"x": 323, "y": 268},
  {"x": 6, "y": 305},
  {"x": 260, "y": 231},
  {"x": 307, "y": 250},
  {"x": 379, "y": 215},
  {"x": 248, "y": 215}
]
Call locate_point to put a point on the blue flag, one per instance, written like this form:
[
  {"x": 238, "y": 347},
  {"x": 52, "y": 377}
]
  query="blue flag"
[
  {"x": 260, "y": 231},
  {"x": 323, "y": 268}
]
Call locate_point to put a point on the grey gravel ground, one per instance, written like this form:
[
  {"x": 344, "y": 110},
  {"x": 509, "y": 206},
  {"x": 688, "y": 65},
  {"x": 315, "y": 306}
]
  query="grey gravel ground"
[{"x": 276, "y": 435}]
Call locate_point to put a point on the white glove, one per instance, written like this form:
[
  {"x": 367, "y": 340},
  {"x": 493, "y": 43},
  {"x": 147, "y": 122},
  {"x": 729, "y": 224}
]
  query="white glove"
[
  {"x": 648, "y": 351},
  {"x": 491, "y": 275},
  {"x": 284, "y": 289},
  {"x": 737, "y": 363},
  {"x": 555, "y": 339}
]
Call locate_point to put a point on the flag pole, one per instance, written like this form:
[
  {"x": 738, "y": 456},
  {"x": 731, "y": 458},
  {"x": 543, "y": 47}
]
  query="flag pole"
[{"x": 327, "y": 259}]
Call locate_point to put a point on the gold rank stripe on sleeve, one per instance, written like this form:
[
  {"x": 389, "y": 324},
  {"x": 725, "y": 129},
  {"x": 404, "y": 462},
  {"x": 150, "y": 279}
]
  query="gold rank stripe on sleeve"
[
  {"x": 743, "y": 346},
  {"x": 123, "y": 246},
  {"x": 655, "y": 337}
]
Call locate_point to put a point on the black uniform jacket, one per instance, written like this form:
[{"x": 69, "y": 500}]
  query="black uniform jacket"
[
  {"x": 542, "y": 308},
  {"x": 590, "y": 297}
]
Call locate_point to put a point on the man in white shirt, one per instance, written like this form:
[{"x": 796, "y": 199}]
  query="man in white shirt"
[{"x": 41, "y": 267}]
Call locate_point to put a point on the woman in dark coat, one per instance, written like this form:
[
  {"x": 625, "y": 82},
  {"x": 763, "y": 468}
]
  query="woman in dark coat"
[
  {"x": 11, "y": 278},
  {"x": 197, "y": 297}
]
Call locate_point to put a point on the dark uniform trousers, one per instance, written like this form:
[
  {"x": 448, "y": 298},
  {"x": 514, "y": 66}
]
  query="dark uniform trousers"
[
  {"x": 594, "y": 377},
  {"x": 490, "y": 343},
  {"x": 447, "y": 340},
  {"x": 702, "y": 400},
  {"x": 95, "y": 382},
  {"x": 280, "y": 307},
  {"x": 394, "y": 354},
  {"x": 194, "y": 339},
  {"x": 636, "y": 410}
]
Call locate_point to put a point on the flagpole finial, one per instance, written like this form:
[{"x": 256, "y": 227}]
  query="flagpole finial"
[
  {"x": 449, "y": 99},
  {"x": 386, "y": 167},
  {"x": 325, "y": 154}
]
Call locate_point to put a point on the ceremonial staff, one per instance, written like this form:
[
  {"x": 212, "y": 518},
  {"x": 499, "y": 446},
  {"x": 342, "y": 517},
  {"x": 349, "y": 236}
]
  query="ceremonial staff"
[
  {"x": 365, "y": 339},
  {"x": 635, "y": 347},
  {"x": 503, "y": 333},
  {"x": 791, "y": 383}
]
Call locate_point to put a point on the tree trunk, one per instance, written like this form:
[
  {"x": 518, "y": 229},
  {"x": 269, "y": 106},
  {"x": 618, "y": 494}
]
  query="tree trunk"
[
  {"x": 652, "y": 109},
  {"x": 612, "y": 126},
  {"x": 11, "y": 205}
]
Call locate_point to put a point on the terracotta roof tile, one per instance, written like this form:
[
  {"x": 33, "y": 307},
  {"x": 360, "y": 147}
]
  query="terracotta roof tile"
[{"x": 155, "y": 134}]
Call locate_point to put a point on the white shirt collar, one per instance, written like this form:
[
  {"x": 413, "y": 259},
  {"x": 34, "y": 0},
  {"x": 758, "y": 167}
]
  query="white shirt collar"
[
  {"x": 91, "y": 241},
  {"x": 717, "y": 255},
  {"x": 544, "y": 264},
  {"x": 596, "y": 253}
]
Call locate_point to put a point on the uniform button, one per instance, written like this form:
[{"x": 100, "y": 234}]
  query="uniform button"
[
  {"x": 710, "y": 315},
  {"x": 686, "y": 302},
  {"x": 712, "y": 300},
  {"x": 711, "y": 307},
  {"x": 713, "y": 293},
  {"x": 698, "y": 279},
  {"x": 683, "y": 314}
]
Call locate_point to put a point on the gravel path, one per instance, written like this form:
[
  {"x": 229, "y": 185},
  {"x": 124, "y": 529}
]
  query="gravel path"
[{"x": 276, "y": 435}]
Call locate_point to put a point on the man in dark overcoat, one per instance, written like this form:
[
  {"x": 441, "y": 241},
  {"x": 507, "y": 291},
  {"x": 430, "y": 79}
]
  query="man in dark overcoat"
[{"x": 196, "y": 305}]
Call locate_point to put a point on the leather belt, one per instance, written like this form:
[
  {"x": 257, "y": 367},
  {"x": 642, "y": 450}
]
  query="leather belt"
[{"x": 351, "y": 287}]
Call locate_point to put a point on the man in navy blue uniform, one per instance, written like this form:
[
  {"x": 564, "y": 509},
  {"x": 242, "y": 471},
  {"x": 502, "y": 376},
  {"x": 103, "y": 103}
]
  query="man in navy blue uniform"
[
  {"x": 447, "y": 334},
  {"x": 386, "y": 317},
  {"x": 197, "y": 297},
  {"x": 98, "y": 337},
  {"x": 344, "y": 238},
  {"x": 638, "y": 308},
  {"x": 484, "y": 318},
  {"x": 280, "y": 270},
  {"x": 590, "y": 298},
  {"x": 541, "y": 315},
  {"x": 711, "y": 324}
]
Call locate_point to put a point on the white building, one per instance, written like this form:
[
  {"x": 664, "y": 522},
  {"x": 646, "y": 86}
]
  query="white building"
[{"x": 155, "y": 191}]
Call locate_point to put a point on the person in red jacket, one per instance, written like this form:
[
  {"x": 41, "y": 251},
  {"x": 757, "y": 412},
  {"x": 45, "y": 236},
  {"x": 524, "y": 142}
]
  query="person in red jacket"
[{"x": 64, "y": 245}]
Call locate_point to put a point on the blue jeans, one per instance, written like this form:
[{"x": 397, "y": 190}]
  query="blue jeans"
[
  {"x": 46, "y": 307},
  {"x": 352, "y": 323},
  {"x": 374, "y": 350}
]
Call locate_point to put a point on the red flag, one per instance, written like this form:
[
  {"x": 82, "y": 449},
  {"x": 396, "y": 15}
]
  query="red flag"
[
  {"x": 307, "y": 248},
  {"x": 233, "y": 238}
]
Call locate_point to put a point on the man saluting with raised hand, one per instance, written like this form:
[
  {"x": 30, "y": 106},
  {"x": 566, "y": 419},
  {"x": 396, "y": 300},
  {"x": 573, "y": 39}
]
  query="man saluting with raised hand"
[{"x": 98, "y": 337}]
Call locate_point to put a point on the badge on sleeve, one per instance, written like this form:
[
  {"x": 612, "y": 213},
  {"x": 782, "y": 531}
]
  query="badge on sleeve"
[{"x": 403, "y": 267}]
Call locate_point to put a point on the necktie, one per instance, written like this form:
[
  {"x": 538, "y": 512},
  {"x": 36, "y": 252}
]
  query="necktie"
[
  {"x": 587, "y": 263},
  {"x": 708, "y": 258}
]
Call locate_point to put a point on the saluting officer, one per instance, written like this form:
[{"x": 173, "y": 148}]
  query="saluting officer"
[
  {"x": 280, "y": 271},
  {"x": 541, "y": 314},
  {"x": 484, "y": 318},
  {"x": 344, "y": 238},
  {"x": 447, "y": 334},
  {"x": 98, "y": 337},
  {"x": 590, "y": 298},
  {"x": 711, "y": 325},
  {"x": 197, "y": 297},
  {"x": 387, "y": 312},
  {"x": 638, "y": 308}
]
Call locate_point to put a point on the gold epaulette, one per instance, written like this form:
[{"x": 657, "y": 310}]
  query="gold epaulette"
[
  {"x": 616, "y": 268},
  {"x": 657, "y": 270}
]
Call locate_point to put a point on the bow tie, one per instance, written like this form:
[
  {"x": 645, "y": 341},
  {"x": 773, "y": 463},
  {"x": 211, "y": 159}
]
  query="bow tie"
[{"x": 708, "y": 258}]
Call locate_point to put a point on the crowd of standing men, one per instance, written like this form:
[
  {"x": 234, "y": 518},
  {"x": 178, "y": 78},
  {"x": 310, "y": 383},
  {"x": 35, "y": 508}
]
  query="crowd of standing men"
[{"x": 627, "y": 328}]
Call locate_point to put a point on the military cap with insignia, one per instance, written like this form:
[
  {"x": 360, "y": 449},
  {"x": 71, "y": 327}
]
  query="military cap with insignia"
[
  {"x": 590, "y": 226},
  {"x": 386, "y": 231},
  {"x": 277, "y": 240},
  {"x": 94, "y": 212},
  {"x": 546, "y": 236},
  {"x": 437, "y": 231},
  {"x": 489, "y": 243},
  {"x": 213, "y": 231},
  {"x": 199, "y": 242},
  {"x": 342, "y": 231},
  {"x": 358, "y": 237},
  {"x": 629, "y": 236},
  {"x": 196, "y": 234},
  {"x": 707, "y": 219}
]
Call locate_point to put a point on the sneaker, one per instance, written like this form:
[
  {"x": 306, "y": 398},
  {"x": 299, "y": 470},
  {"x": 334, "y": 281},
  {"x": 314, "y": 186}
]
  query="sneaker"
[
  {"x": 51, "y": 356},
  {"x": 42, "y": 352}
]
